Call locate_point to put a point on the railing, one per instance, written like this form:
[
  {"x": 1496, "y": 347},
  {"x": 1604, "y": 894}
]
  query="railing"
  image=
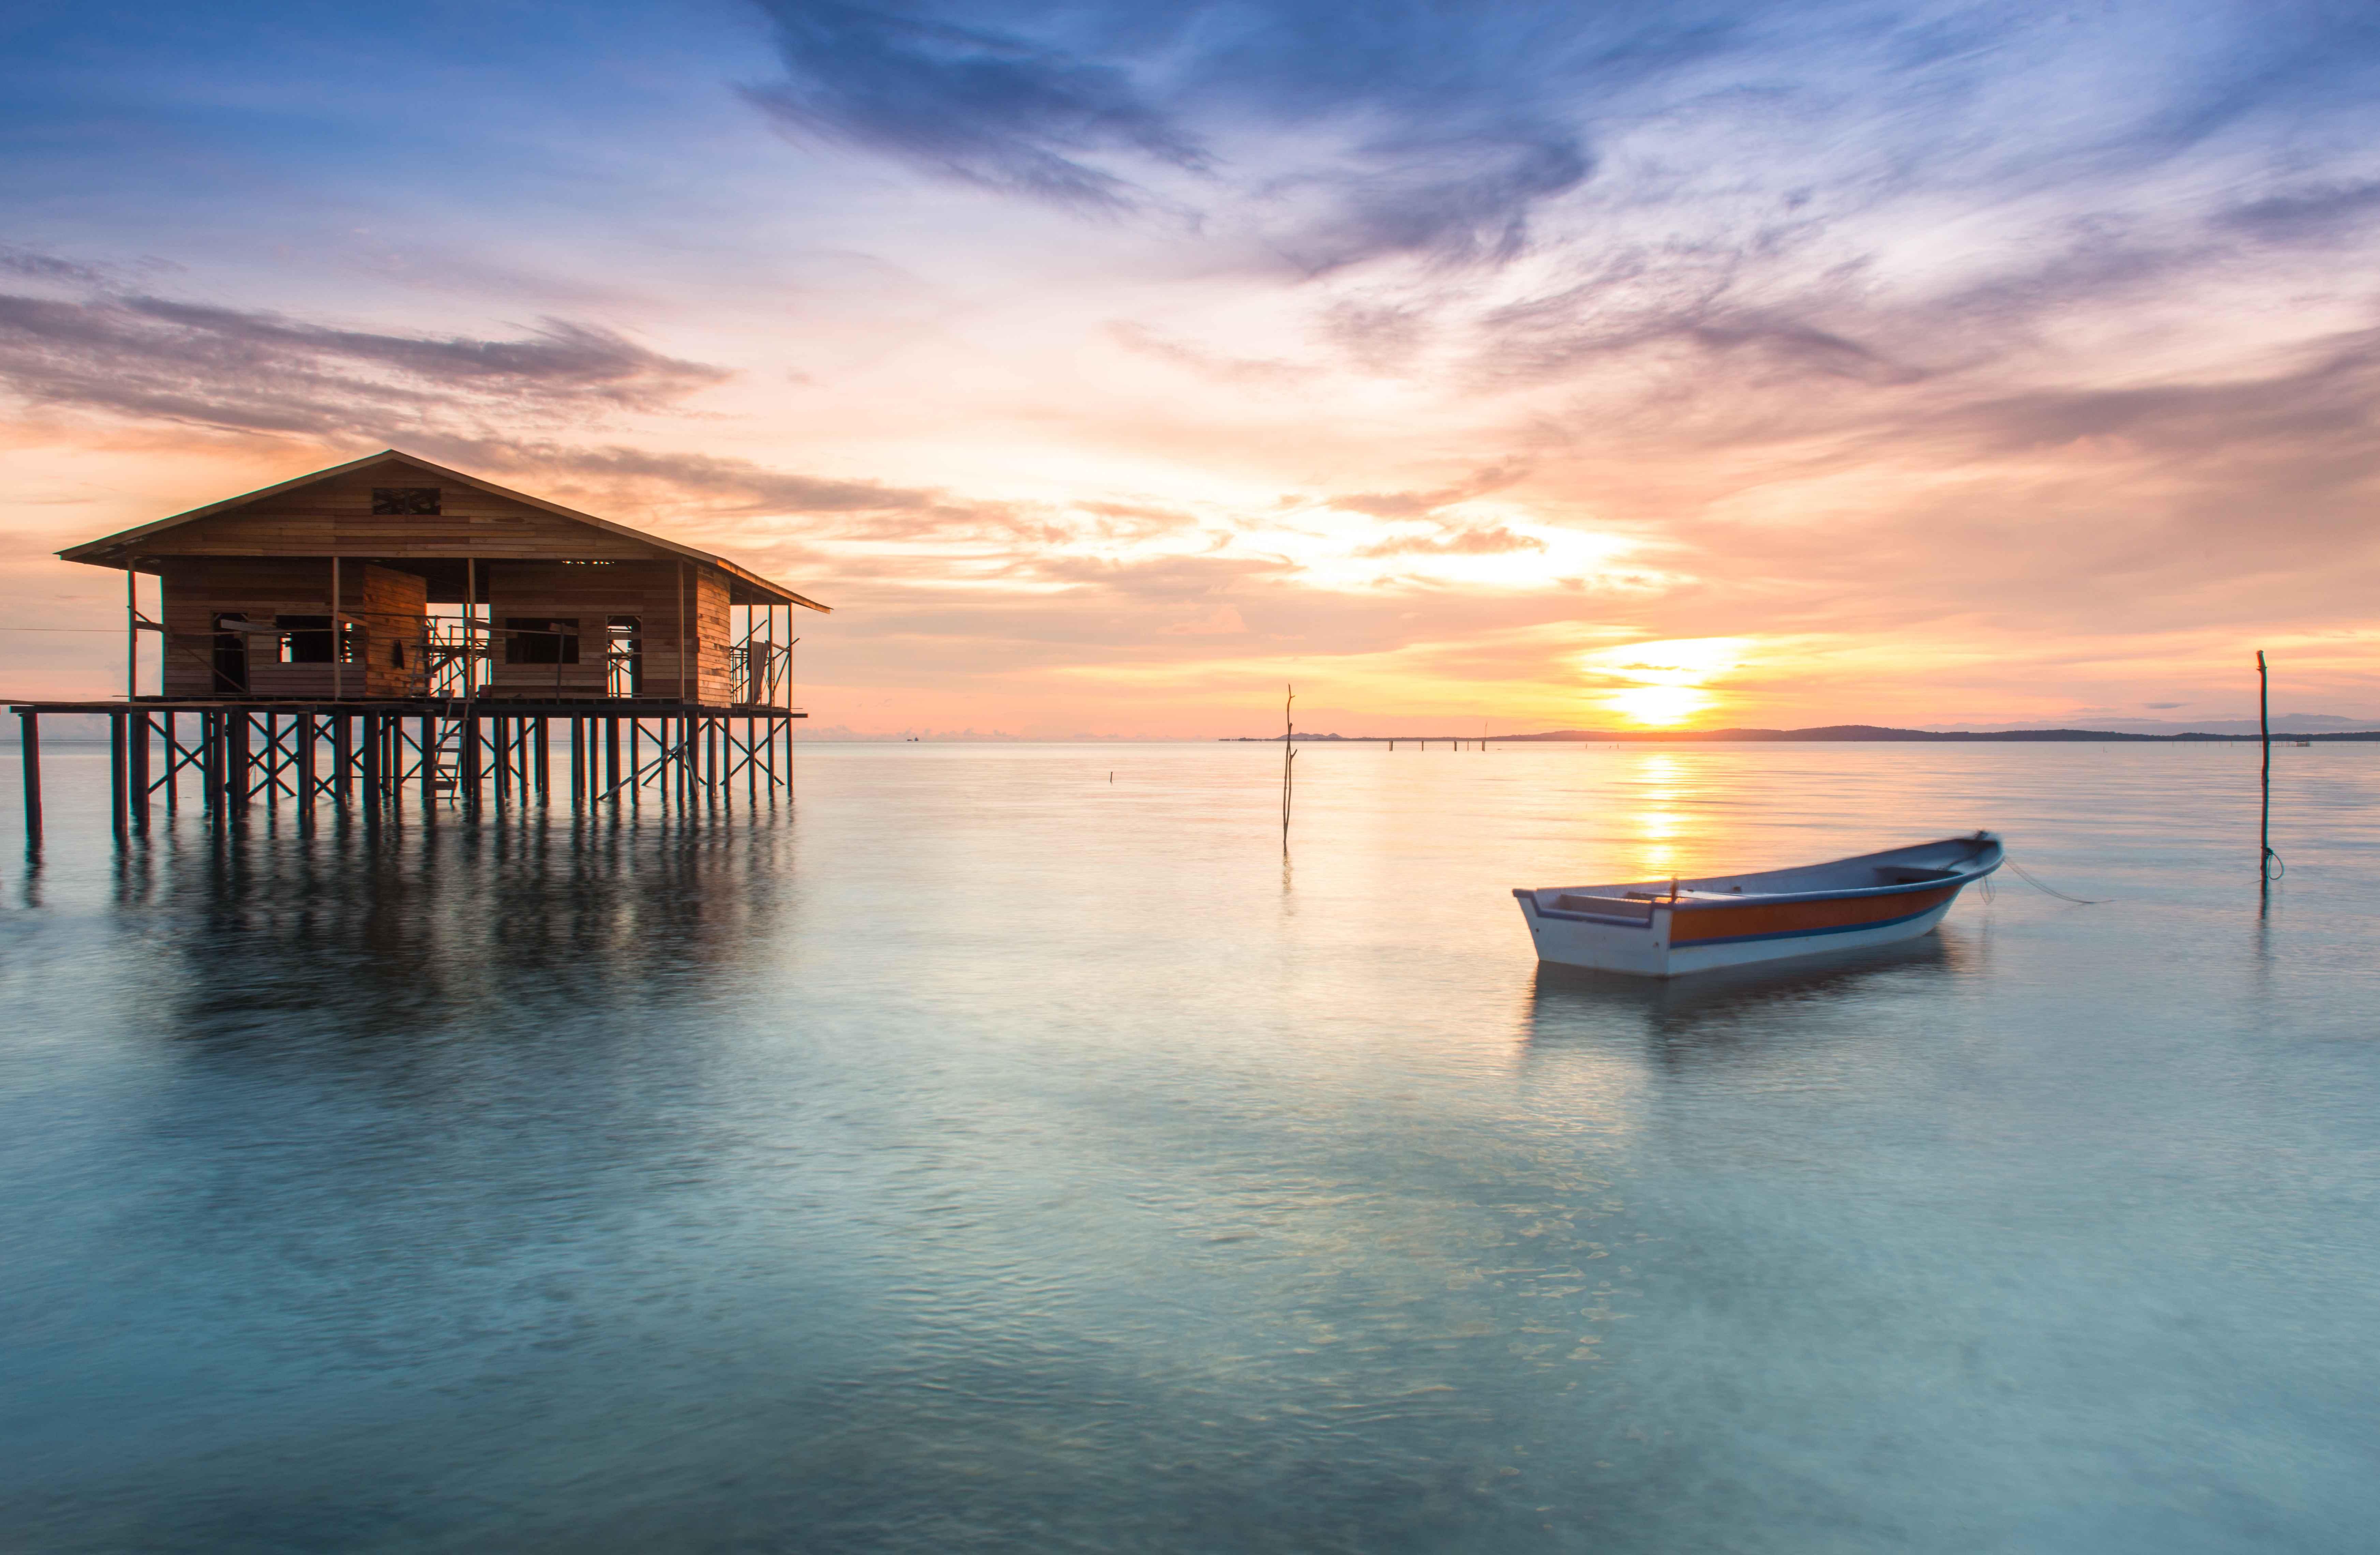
[
  {"x": 450, "y": 646},
  {"x": 758, "y": 671}
]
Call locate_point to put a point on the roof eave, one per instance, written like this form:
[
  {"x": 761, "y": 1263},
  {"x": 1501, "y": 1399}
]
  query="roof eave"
[{"x": 116, "y": 550}]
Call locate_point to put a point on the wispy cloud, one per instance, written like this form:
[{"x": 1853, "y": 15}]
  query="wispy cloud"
[
  {"x": 156, "y": 359},
  {"x": 1488, "y": 540},
  {"x": 996, "y": 107},
  {"x": 1421, "y": 128}
]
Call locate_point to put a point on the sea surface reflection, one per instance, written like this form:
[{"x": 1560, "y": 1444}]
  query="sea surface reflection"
[{"x": 984, "y": 1153}]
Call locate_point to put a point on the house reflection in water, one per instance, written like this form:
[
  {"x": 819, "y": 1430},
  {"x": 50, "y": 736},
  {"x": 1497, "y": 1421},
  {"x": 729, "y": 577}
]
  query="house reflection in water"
[{"x": 348, "y": 932}]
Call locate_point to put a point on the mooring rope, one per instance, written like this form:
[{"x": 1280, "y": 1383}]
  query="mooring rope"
[{"x": 2028, "y": 878}]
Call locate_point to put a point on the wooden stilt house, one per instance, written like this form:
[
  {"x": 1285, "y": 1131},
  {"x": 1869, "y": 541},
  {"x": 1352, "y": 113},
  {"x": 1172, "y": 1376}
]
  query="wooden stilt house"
[{"x": 395, "y": 578}]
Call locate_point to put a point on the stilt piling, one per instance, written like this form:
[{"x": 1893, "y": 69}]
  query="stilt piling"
[{"x": 383, "y": 759}]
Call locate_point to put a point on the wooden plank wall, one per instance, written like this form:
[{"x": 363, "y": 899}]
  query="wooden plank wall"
[
  {"x": 592, "y": 595},
  {"x": 389, "y": 603},
  {"x": 589, "y": 594},
  {"x": 393, "y": 604}
]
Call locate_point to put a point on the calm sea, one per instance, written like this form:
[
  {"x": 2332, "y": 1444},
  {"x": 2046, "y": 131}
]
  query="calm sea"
[{"x": 1003, "y": 1147}]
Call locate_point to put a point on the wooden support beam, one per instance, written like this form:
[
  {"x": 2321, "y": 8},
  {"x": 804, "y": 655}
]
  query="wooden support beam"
[
  {"x": 210, "y": 765},
  {"x": 240, "y": 729},
  {"x": 29, "y": 732},
  {"x": 139, "y": 772},
  {"x": 119, "y": 787}
]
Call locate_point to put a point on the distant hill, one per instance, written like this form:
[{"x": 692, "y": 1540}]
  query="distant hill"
[
  {"x": 1872, "y": 732},
  {"x": 2299, "y": 725},
  {"x": 1878, "y": 733}
]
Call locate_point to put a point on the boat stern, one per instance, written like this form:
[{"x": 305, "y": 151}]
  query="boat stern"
[{"x": 1602, "y": 933}]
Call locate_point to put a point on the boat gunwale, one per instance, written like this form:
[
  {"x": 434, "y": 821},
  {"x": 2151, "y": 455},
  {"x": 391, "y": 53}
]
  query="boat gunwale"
[{"x": 1990, "y": 854}]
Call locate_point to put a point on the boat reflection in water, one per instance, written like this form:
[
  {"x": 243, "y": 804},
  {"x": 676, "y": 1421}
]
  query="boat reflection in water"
[{"x": 1739, "y": 1009}]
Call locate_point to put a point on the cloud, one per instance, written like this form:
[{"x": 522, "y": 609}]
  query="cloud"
[
  {"x": 1422, "y": 505},
  {"x": 1396, "y": 129},
  {"x": 36, "y": 266},
  {"x": 1493, "y": 540},
  {"x": 1260, "y": 372},
  {"x": 743, "y": 484},
  {"x": 2323, "y": 214},
  {"x": 1379, "y": 337},
  {"x": 151, "y": 359},
  {"x": 997, "y": 109}
]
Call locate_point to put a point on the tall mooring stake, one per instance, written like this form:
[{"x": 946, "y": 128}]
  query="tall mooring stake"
[
  {"x": 1288, "y": 763},
  {"x": 2266, "y": 857}
]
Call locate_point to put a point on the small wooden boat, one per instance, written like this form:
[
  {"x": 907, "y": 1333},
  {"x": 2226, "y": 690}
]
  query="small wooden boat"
[{"x": 1662, "y": 928}]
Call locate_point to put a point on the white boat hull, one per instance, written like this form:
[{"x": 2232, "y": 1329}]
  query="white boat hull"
[{"x": 1647, "y": 952}]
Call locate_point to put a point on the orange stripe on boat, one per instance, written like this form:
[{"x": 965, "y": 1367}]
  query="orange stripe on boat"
[{"x": 1695, "y": 921}]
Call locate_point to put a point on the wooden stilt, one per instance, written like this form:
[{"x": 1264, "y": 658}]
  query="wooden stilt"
[
  {"x": 308, "y": 731},
  {"x": 138, "y": 775},
  {"x": 120, "y": 788},
  {"x": 29, "y": 733},
  {"x": 237, "y": 762},
  {"x": 210, "y": 765}
]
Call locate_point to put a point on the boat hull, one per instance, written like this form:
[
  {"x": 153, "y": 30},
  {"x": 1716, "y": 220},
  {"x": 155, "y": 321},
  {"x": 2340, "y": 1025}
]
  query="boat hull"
[
  {"x": 1648, "y": 951},
  {"x": 1701, "y": 926}
]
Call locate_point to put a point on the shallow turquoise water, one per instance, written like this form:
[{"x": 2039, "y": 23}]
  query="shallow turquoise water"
[{"x": 981, "y": 1154}]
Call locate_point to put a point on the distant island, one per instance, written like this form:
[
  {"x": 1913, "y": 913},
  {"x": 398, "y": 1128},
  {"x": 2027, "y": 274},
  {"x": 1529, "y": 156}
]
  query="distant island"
[{"x": 1833, "y": 732}]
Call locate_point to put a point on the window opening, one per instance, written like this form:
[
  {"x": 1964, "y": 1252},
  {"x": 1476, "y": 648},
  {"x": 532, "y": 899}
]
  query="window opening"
[
  {"x": 537, "y": 640},
  {"x": 624, "y": 656},
  {"x": 306, "y": 639},
  {"x": 405, "y": 502},
  {"x": 231, "y": 655}
]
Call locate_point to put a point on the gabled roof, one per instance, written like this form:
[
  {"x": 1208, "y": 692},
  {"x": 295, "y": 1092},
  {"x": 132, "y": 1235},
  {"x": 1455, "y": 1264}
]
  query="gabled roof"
[{"x": 117, "y": 549}]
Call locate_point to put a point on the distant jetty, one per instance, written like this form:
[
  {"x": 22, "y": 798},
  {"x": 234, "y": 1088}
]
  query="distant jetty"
[{"x": 1831, "y": 733}]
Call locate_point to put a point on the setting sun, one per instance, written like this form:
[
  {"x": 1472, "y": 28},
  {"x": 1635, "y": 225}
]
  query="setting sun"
[
  {"x": 1661, "y": 684},
  {"x": 1658, "y": 707}
]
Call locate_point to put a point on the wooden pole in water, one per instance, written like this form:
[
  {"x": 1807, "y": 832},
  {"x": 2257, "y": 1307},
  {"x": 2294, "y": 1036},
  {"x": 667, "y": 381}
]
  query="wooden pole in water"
[
  {"x": 2265, "y": 732},
  {"x": 1289, "y": 762},
  {"x": 29, "y": 728}
]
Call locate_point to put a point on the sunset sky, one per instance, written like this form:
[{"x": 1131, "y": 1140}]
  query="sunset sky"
[{"x": 1107, "y": 365}]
